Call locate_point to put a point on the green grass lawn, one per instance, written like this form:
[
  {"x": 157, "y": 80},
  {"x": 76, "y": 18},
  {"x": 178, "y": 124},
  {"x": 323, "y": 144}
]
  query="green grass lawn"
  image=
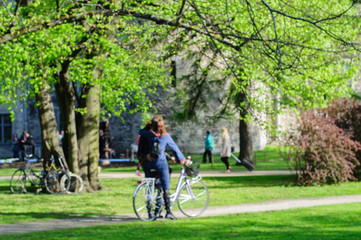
[
  {"x": 323, "y": 222},
  {"x": 116, "y": 198},
  {"x": 271, "y": 158},
  {"x": 326, "y": 222}
]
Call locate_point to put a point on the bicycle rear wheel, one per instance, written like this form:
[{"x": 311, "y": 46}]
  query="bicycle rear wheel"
[
  {"x": 193, "y": 198},
  {"x": 144, "y": 198},
  {"x": 74, "y": 183},
  {"x": 18, "y": 182},
  {"x": 52, "y": 182}
]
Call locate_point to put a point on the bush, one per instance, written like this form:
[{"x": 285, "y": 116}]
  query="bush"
[
  {"x": 326, "y": 151},
  {"x": 348, "y": 118}
]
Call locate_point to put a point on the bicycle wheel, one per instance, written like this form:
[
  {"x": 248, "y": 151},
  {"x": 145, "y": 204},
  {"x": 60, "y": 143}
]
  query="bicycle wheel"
[
  {"x": 143, "y": 198},
  {"x": 74, "y": 183},
  {"x": 52, "y": 182},
  {"x": 193, "y": 198},
  {"x": 18, "y": 182}
]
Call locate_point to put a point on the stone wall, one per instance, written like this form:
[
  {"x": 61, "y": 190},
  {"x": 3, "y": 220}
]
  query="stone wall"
[
  {"x": 188, "y": 135},
  {"x": 26, "y": 117}
]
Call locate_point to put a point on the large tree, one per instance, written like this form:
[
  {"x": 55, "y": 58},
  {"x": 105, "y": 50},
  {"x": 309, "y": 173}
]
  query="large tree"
[
  {"x": 289, "y": 54},
  {"x": 98, "y": 59},
  {"x": 101, "y": 56}
]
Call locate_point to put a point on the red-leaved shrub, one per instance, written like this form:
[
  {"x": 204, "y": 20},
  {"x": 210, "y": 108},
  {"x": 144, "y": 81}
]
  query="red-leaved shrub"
[
  {"x": 326, "y": 150},
  {"x": 347, "y": 114}
]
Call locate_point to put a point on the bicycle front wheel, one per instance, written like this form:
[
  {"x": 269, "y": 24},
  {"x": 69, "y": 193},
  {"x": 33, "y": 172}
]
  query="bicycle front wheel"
[
  {"x": 72, "y": 184},
  {"x": 52, "y": 182},
  {"x": 18, "y": 182},
  {"x": 144, "y": 200},
  {"x": 193, "y": 198}
]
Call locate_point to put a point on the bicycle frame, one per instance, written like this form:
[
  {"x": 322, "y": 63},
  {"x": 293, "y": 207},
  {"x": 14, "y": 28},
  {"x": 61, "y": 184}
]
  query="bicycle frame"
[
  {"x": 183, "y": 176},
  {"x": 53, "y": 166},
  {"x": 30, "y": 174},
  {"x": 150, "y": 182},
  {"x": 191, "y": 195}
]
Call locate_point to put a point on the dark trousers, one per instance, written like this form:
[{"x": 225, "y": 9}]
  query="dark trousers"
[
  {"x": 208, "y": 152},
  {"x": 225, "y": 160}
]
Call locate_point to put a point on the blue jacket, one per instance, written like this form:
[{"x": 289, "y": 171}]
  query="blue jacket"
[
  {"x": 209, "y": 142},
  {"x": 160, "y": 164}
]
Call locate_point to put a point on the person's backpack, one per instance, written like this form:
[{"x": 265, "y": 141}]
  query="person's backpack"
[{"x": 155, "y": 149}]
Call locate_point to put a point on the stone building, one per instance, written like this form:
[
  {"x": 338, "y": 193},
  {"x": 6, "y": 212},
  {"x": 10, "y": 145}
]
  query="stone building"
[{"x": 189, "y": 135}]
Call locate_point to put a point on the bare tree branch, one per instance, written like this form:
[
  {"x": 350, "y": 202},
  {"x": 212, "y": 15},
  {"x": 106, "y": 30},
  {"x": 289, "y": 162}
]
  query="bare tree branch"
[
  {"x": 180, "y": 12},
  {"x": 315, "y": 23}
]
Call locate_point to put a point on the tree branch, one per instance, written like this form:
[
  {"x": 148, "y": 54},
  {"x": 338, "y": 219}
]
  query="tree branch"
[{"x": 315, "y": 23}]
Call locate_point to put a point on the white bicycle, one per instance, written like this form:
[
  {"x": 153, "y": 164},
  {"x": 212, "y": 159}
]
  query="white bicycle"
[{"x": 191, "y": 195}]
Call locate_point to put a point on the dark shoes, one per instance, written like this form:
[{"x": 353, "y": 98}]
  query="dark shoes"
[
  {"x": 152, "y": 217},
  {"x": 158, "y": 212},
  {"x": 169, "y": 215}
]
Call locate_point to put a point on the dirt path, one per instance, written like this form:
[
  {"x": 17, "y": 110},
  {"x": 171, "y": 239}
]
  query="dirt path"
[{"x": 235, "y": 173}]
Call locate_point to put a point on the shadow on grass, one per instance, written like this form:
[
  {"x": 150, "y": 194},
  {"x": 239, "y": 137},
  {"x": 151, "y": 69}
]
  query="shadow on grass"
[
  {"x": 254, "y": 181},
  {"x": 5, "y": 189},
  {"x": 45, "y": 215}
]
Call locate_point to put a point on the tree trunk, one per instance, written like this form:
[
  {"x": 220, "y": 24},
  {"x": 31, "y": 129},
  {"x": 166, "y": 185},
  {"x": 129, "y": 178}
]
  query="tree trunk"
[
  {"x": 88, "y": 136},
  {"x": 49, "y": 128},
  {"x": 66, "y": 101},
  {"x": 245, "y": 142},
  {"x": 245, "y": 134}
]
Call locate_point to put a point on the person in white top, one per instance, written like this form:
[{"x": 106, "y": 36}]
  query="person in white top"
[{"x": 226, "y": 149}]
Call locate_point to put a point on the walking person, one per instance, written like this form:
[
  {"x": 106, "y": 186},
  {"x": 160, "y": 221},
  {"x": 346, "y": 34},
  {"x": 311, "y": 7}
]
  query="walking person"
[
  {"x": 226, "y": 149},
  {"x": 208, "y": 146},
  {"x": 157, "y": 139}
]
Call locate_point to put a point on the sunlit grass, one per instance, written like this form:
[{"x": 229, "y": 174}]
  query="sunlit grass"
[
  {"x": 116, "y": 198},
  {"x": 271, "y": 158},
  {"x": 323, "y": 222}
]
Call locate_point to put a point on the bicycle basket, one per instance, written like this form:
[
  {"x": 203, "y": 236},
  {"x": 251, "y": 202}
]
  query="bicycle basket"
[{"x": 193, "y": 170}]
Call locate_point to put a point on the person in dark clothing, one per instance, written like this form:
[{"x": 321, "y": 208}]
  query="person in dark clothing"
[
  {"x": 27, "y": 144},
  {"x": 106, "y": 131},
  {"x": 104, "y": 149},
  {"x": 155, "y": 132},
  {"x": 16, "y": 145},
  {"x": 144, "y": 148}
]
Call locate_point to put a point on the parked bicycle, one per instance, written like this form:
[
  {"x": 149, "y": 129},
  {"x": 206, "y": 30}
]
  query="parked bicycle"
[
  {"x": 54, "y": 174},
  {"x": 191, "y": 195},
  {"x": 55, "y": 180},
  {"x": 61, "y": 180},
  {"x": 27, "y": 179}
]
